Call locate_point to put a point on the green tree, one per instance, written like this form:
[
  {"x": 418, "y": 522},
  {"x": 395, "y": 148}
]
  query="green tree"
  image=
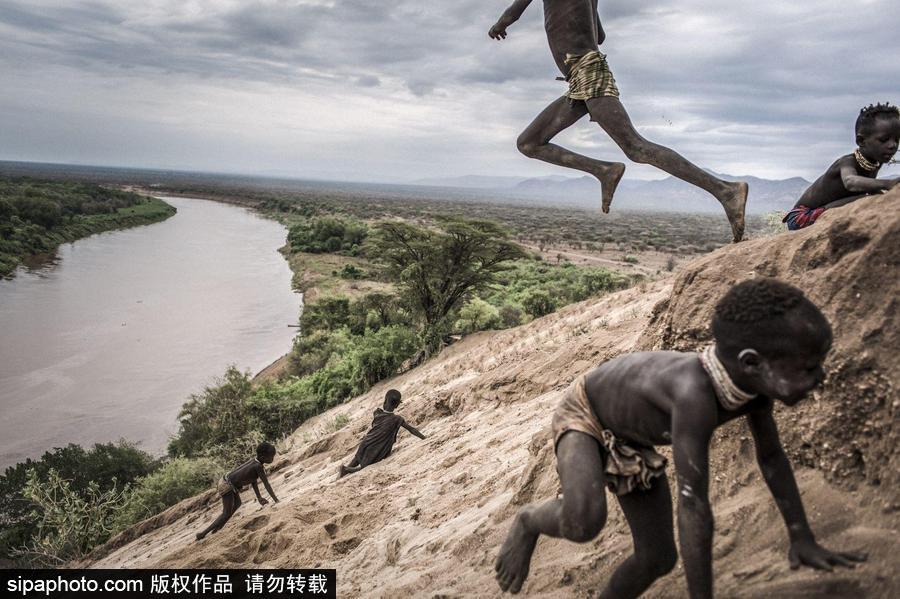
[
  {"x": 437, "y": 269},
  {"x": 214, "y": 418}
]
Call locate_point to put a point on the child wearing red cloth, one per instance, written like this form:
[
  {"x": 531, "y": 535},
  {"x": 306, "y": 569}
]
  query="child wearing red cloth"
[{"x": 852, "y": 177}]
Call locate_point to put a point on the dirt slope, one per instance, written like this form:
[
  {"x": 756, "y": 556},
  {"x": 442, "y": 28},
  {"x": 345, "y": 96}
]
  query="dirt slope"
[{"x": 427, "y": 522}]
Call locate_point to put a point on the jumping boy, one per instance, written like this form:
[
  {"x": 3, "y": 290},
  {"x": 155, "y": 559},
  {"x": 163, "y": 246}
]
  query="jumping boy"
[
  {"x": 379, "y": 441},
  {"x": 230, "y": 486},
  {"x": 852, "y": 177},
  {"x": 770, "y": 342},
  {"x": 575, "y": 34}
]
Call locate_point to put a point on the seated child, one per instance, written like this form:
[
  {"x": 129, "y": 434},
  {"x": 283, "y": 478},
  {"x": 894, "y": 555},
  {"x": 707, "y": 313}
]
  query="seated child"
[
  {"x": 234, "y": 482},
  {"x": 377, "y": 443},
  {"x": 853, "y": 176},
  {"x": 770, "y": 342}
]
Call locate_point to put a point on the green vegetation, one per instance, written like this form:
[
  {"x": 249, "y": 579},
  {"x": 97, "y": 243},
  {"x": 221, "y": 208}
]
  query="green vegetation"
[
  {"x": 59, "y": 507},
  {"x": 436, "y": 270},
  {"x": 107, "y": 465},
  {"x": 327, "y": 234},
  {"x": 36, "y": 217},
  {"x": 70, "y": 523}
]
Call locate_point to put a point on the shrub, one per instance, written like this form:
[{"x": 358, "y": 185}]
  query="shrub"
[
  {"x": 327, "y": 234},
  {"x": 538, "y": 303},
  {"x": 70, "y": 523},
  {"x": 214, "y": 417},
  {"x": 106, "y": 465},
  {"x": 174, "y": 481},
  {"x": 477, "y": 315}
]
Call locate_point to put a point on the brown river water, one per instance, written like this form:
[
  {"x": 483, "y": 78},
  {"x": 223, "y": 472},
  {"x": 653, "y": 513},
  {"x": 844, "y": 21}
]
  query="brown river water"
[{"x": 111, "y": 336}]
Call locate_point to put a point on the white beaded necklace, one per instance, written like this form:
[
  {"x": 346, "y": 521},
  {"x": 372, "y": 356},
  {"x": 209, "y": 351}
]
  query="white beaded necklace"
[
  {"x": 864, "y": 163},
  {"x": 729, "y": 395}
]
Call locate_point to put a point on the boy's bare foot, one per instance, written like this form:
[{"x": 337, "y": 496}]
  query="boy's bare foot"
[
  {"x": 609, "y": 179},
  {"x": 734, "y": 200},
  {"x": 515, "y": 556}
]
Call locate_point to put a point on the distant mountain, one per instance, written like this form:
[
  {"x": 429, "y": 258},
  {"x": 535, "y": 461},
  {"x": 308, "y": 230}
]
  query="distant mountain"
[
  {"x": 669, "y": 194},
  {"x": 483, "y": 181}
]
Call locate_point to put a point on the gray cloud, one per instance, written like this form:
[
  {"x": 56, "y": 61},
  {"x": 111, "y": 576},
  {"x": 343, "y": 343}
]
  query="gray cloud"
[{"x": 767, "y": 86}]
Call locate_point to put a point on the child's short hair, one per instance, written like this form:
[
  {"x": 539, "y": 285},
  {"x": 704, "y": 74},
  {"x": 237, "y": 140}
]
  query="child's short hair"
[
  {"x": 265, "y": 449},
  {"x": 769, "y": 316},
  {"x": 391, "y": 399},
  {"x": 866, "y": 119}
]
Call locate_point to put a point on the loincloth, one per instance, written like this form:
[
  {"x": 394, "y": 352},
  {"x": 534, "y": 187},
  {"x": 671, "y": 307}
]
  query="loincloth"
[
  {"x": 802, "y": 216},
  {"x": 628, "y": 466},
  {"x": 589, "y": 77},
  {"x": 225, "y": 487}
]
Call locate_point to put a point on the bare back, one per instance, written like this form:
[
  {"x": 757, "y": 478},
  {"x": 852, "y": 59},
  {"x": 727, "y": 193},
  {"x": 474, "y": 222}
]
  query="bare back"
[
  {"x": 830, "y": 186},
  {"x": 246, "y": 473},
  {"x": 636, "y": 395},
  {"x": 572, "y": 28}
]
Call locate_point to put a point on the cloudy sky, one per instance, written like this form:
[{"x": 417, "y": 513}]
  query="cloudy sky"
[{"x": 395, "y": 90}]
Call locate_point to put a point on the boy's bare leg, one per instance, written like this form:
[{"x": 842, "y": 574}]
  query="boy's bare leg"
[
  {"x": 578, "y": 516},
  {"x": 649, "y": 514},
  {"x": 534, "y": 142},
  {"x": 345, "y": 470},
  {"x": 609, "y": 113},
  {"x": 230, "y": 503}
]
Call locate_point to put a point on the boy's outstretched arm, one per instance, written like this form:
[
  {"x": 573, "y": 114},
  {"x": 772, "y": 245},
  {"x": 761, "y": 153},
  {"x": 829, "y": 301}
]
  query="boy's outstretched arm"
[
  {"x": 259, "y": 498},
  {"x": 692, "y": 429},
  {"x": 776, "y": 470},
  {"x": 857, "y": 184},
  {"x": 265, "y": 482},
  {"x": 509, "y": 16},
  {"x": 413, "y": 430}
]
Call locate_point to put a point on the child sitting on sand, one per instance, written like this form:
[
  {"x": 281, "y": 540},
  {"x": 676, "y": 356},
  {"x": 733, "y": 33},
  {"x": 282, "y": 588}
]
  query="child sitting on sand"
[
  {"x": 377, "y": 443},
  {"x": 853, "y": 176},
  {"x": 232, "y": 484},
  {"x": 770, "y": 342}
]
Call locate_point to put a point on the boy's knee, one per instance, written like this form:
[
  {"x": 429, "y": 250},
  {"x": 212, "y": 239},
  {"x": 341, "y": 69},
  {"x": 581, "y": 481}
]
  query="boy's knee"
[
  {"x": 526, "y": 145},
  {"x": 661, "y": 562},
  {"x": 580, "y": 526},
  {"x": 636, "y": 151}
]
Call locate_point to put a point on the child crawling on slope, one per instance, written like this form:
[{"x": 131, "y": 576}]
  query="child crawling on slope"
[
  {"x": 852, "y": 177},
  {"x": 230, "y": 486},
  {"x": 770, "y": 342},
  {"x": 379, "y": 441}
]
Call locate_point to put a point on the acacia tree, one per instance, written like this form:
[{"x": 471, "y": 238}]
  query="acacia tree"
[{"x": 436, "y": 269}]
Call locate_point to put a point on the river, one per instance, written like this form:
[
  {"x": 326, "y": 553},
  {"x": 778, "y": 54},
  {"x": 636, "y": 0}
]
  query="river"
[{"x": 109, "y": 338}]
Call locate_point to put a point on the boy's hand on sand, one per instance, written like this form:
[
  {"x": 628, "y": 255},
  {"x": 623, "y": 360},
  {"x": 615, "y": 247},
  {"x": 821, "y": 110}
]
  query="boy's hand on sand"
[
  {"x": 498, "y": 31},
  {"x": 810, "y": 553}
]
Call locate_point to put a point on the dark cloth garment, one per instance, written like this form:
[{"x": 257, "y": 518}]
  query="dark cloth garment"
[
  {"x": 629, "y": 466},
  {"x": 379, "y": 441},
  {"x": 801, "y": 216},
  {"x": 225, "y": 486}
]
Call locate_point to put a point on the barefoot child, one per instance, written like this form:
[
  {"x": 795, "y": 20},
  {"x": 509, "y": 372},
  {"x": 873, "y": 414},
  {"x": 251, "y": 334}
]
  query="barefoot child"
[
  {"x": 575, "y": 33},
  {"x": 377, "y": 443},
  {"x": 232, "y": 483},
  {"x": 770, "y": 342},
  {"x": 852, "y": 177}
]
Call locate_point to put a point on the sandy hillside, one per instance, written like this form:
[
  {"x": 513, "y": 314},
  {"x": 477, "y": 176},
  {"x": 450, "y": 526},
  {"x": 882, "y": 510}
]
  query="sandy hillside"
[{"x": 428, "y": 521}]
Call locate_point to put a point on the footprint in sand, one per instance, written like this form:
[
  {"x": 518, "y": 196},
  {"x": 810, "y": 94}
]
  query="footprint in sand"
[{"x": 256, "y": 523}]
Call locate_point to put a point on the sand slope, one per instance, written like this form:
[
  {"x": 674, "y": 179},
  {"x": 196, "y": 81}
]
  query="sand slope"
[{"x": 427, "y": 522}]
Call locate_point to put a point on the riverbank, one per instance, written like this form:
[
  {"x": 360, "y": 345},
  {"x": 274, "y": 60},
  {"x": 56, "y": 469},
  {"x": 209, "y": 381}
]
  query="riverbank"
[{"x": 36, "y": 217}]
